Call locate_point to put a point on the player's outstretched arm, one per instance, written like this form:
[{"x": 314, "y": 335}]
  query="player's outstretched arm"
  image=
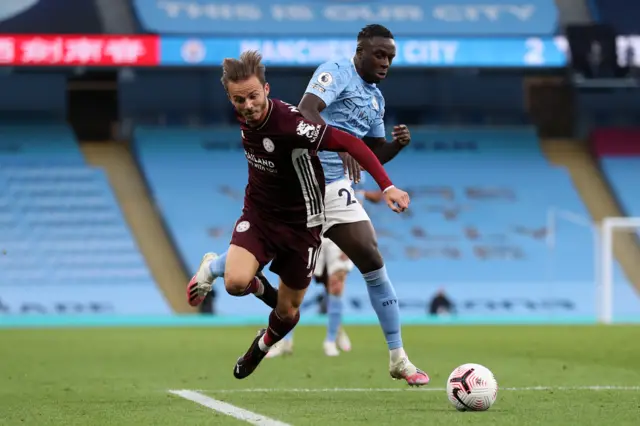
[{"x": 337, "y": 140}]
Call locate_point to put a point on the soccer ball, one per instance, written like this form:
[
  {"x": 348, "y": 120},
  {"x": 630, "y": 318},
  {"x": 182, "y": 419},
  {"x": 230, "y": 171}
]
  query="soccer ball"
[{"x": 472, "y": 387}]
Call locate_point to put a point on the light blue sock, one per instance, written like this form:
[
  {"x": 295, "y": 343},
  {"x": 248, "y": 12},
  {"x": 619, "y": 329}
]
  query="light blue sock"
[
  {"x": 289, "y": 336},
  {"x": 217, "y": 265},
  {"x": 384, "y": 301},
  {"x": 334, "y": 312}
]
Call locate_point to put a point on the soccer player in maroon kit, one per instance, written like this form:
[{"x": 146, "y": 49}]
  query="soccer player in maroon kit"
[{"x": 284, "y": 201}]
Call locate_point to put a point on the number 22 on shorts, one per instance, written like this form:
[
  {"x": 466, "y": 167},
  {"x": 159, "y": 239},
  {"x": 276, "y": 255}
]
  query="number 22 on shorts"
[{"x": 347, "y": 193}]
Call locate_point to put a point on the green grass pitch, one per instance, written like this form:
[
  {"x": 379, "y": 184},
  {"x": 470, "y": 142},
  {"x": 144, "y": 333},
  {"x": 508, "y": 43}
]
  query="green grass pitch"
[{"x": 122, "y": 376}]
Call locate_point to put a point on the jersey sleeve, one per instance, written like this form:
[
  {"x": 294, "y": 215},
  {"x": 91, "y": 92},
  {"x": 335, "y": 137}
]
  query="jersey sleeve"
[
  {"x": 377, "y": 129},
  {"x": 306, "y": 134},
  {"x": 328, "y": 81}
]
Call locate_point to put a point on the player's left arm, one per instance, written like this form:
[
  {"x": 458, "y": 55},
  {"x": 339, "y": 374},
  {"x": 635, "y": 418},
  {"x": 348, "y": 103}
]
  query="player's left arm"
[
  {"x": 386, "y": 151},
  {"x": 376, "y": 138}
]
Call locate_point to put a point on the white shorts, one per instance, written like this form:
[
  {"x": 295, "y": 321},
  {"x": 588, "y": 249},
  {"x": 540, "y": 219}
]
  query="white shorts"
[
  {"x": 341, "y": 205},
  {"x": 332, "y": 258}
]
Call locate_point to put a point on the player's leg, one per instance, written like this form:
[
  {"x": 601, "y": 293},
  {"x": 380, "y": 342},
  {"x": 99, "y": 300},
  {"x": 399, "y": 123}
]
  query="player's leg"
[
  {"x": 242, "y": 262},
  {"x": 214, "y": 266},
  {"x": 338, "y": 265},
  {"x": 294, "y": 263},
  {"x": 283, "y": 347},
  {"x": 282, "y": 320},
  {"x": 358, "y": 241},
  {"x": 335, "y": 287},
  {"x": 349, "y": 227}
]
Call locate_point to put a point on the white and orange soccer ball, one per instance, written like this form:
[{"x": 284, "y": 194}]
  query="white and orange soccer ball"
[{"x": 472, "y": 387}]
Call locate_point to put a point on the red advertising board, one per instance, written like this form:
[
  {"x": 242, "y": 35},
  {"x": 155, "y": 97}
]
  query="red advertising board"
[
  {"x": 621, "y": 142},
  {"x": 79, "y": 50}
]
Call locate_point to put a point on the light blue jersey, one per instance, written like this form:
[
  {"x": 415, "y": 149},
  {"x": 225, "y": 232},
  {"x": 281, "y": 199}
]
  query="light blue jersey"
[{"x": 353, "y": 105}]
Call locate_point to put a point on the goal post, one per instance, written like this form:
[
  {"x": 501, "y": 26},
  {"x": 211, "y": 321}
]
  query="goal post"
[
  {"x": 605, "y": 283},
  {"x": 554, "y": 217}
]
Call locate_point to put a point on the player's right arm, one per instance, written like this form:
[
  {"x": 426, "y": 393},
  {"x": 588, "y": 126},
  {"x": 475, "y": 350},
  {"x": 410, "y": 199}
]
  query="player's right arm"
[
  {"x": 326, "y": 84},
  {"x": 337, "y": 140},
  {"x": 317, "y": 137}
]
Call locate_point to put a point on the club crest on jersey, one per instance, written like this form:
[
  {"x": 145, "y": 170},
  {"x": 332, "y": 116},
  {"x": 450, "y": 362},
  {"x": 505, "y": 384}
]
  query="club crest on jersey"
[
  {"x": 308, "y": 130},
  {"x": 243, "y": 226},
  {"x": 268, "y": 145},
  {"x": 325, "y": 78},
  {"x": 374, "y": 103}
]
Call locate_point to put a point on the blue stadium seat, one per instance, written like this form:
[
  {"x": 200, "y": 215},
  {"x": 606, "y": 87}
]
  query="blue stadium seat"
[
  {"x": 36, "y": 143},
  {"x": 497, "y": 193},
  {"x": 623, "y": 174},
  {"x": 482, "y": 203},
  {"x": 60, "y": 223}
]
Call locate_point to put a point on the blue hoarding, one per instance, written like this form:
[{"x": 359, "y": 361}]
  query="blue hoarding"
[
  {"x": 550, "y": 300},
  {"x": 453, "y": 18},
  {"x": 90, "y": 299},
  {"x": 455, "y": 52}
]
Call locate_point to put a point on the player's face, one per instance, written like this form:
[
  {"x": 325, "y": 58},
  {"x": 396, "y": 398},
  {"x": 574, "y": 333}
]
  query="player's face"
[
  {"x": 376, "y": 57},
  {"x": 249, "y": 98}
]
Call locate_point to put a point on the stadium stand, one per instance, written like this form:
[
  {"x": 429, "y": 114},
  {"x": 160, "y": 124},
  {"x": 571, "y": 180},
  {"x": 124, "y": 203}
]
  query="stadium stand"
[
  {"x": 60, "y": 223},
  {"x": 624, "y": 175},
  {"x": 618, "y": 152},
  {"x": 481, "y": 199}
]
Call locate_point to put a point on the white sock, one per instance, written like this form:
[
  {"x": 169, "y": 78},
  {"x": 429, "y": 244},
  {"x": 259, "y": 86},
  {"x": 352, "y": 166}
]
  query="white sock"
[
  {"x": 396, "y": 355},
  {"x": 260, "y": 290},
  {"x": 262, "y": 345}
]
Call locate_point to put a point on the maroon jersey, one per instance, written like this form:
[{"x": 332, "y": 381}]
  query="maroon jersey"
[{"x": 286, "y": 181}]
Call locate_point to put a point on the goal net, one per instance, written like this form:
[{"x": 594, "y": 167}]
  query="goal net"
[{"x": 618, "y": 267}]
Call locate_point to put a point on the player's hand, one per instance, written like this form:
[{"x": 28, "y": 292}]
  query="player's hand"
[
  {"x": 396, "y": 199},
  {"x": 351, "y": 166},
  {"x": 401, "y": 135}
]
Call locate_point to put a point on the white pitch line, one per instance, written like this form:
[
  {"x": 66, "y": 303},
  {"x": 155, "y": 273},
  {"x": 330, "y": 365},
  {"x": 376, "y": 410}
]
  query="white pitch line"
[
  {"x": 424, "y": 389},
  {"x": 227, "y": 409}
]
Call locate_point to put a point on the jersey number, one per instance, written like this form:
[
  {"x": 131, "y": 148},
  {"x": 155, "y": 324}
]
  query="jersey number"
[
  {"x": 313, "y": 257},
  {"x": 344, "y": 191}
]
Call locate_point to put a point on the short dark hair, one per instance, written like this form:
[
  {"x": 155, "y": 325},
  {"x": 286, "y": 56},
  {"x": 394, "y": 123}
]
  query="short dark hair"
[
  {"x": 374, "y": 30},
  {"x": 249, "y": 65}
]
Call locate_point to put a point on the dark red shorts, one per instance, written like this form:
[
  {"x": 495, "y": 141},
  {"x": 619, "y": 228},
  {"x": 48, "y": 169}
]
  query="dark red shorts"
[{"x": 292, "y": 250}]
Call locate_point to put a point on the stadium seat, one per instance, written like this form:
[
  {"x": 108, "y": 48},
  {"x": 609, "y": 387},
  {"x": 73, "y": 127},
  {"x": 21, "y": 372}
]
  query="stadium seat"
[
  {"x": 480, "y": 203},
  {"x": 59, "y": 221}
]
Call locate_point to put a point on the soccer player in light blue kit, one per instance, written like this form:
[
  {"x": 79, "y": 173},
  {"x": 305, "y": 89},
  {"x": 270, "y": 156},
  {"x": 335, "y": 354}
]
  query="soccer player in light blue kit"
[{"x": 344, "y": 94}]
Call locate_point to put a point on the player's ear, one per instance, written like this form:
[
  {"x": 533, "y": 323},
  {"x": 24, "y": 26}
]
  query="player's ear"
[{"x": 267, "y": 89}]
